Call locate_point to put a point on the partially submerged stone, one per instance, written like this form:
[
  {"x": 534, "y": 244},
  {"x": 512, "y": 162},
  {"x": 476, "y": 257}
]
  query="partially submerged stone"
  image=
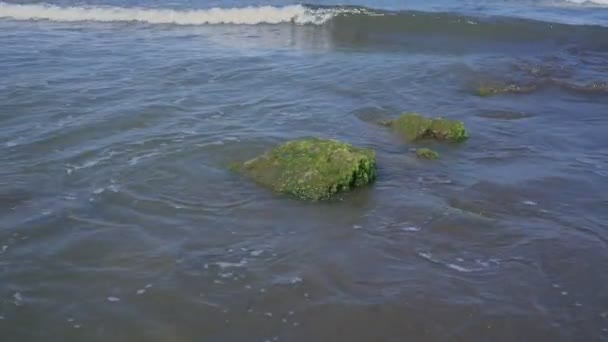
[
  {"x": 312, "y": 168},
  {"x": 427, "y": 153},
  {"x": 414, "y": 127}
]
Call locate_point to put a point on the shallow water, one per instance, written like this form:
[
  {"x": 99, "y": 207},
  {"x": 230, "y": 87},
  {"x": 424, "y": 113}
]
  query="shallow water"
[{"x": 119, "y": 218}]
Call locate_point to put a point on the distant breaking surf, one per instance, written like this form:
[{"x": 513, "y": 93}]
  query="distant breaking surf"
[
  {"x": 592, "y": 2},
  {"x": 297, "y": 14}
]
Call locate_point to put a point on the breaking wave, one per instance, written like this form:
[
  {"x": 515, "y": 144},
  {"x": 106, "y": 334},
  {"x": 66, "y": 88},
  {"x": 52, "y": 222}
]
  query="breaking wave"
[
  {"x": 346, "y": 23},
  {"x": 243, "y": 16},
  {"x": 592, "y": 2}
]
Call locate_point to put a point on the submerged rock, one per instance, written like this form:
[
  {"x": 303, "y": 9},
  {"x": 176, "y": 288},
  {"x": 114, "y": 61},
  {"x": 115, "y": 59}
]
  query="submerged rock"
[
  {"x": 312, "y": 168},
  {"x": 414, "y": 127},
  {"x": 427, "y": 153},
  {"x": 510, "y": 88}
]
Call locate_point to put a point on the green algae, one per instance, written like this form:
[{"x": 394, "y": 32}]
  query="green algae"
[
  {"x": 312, "y": 168},
  {"x": 427, "y": 153},
  {"x": 414, "y": 126}
]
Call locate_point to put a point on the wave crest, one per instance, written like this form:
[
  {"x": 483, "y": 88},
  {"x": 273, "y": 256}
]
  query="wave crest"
[
  {"x": 591, "y": 2},
  {"x": 297, "y": 14}
]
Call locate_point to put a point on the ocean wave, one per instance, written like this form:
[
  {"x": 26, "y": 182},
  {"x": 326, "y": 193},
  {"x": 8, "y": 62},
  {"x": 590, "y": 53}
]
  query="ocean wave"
[
  {"x": 591, "y": 2},
  {"x": 347, "y": 24},
  {"x": 297, "y": 14}
]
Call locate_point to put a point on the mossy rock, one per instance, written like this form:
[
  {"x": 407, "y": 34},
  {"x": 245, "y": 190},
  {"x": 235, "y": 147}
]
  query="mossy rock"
[
  {"x": 427, "y": 153},
  {"x": 312, "y": 168},
  {"x": 414, "y": 126}
]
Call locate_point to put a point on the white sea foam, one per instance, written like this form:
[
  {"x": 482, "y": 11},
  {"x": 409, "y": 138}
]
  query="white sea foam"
[
  {"x": 223, "y": 264},
  {"x": 244, "y": 16},
  {"x": 257, "y": 252},
  {"x": 410, "y": 229},
  {"x": 530, "y": 203},
  {"x": 459, "y": 268},
  {"x": 592, "y": 2},
  {"x": 18, "y": 298},
  {"x": 135, "y": 160}
]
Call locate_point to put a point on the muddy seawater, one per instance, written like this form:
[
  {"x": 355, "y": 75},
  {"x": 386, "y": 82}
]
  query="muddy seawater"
[{"x": 120, "y": 219}]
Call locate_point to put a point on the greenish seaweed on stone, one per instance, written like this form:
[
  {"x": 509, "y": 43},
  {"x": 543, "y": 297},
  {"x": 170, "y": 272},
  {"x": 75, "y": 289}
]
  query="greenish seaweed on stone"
[
  {"x": 427, "y": 153},
  {"x": 414, "y": 126},
  {"x": 312, "y": 168}
]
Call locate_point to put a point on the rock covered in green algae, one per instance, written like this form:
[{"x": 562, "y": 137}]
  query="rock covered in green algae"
[
  {"x": 414, "y": 127},
  {"x": 427, "y": 153},
  {"x": 312, "y": 168}
]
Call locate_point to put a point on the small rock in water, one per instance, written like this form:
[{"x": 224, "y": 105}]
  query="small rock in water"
[
  {"x": 312, "y": 169},
  {"x": 426, "y": 153},
  {"x": 413, "y": 126},
  {"x": 113, "y": 299}
]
